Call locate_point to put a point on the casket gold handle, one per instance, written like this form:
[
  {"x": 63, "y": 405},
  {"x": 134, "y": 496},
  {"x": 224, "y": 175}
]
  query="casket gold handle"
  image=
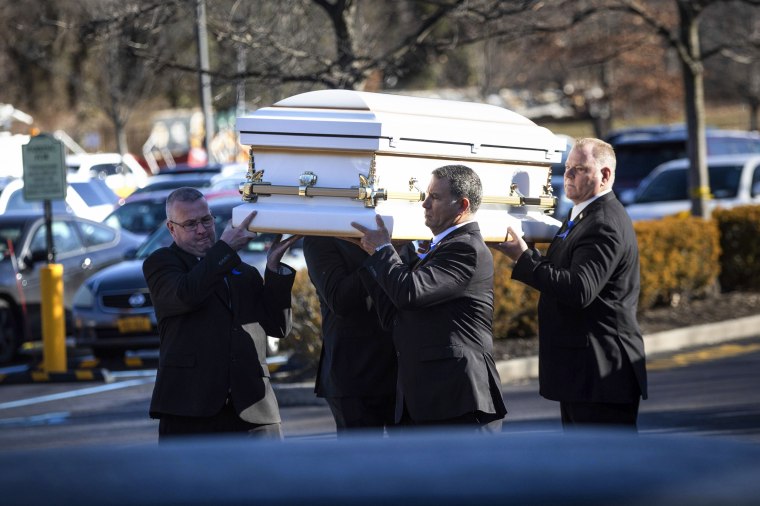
[
  {"x": 515, "y": 198},
  {"x": 256, "y": 188},
  {"x": 546, "y": 201}
]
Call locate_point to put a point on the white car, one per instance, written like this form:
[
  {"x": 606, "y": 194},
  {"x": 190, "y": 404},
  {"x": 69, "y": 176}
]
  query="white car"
[
  {"x": 122, "y": 173},
  {"x": 734, "y": 181},
  {"x": 85, "y": 197}
]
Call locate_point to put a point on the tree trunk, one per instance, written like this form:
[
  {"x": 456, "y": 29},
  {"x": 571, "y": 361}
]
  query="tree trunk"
[
  {"x": 754, "y": 111},
  {"x": 121, "y": 137},
  {"x": 699, "y": 183}
]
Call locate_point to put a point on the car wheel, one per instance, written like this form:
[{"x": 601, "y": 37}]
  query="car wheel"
[{"x": 9, "y": 341}]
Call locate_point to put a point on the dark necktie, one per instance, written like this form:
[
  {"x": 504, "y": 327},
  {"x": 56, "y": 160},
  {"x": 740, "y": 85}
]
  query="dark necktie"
[{"x": 570, "y": 224}]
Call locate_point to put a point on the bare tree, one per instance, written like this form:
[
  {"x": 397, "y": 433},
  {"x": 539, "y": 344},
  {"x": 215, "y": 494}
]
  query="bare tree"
[
  {"x": 685, "y": 39},
  {"x": 734, "y": 71},
  {"x": 117, "y": 32}
]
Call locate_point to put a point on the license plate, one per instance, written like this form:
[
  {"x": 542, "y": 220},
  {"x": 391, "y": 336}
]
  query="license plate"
[{"x": 133, "y": 324}]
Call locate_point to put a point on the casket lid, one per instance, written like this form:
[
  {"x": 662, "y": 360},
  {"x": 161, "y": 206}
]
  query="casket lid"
[{"x": 355, "y": 120}]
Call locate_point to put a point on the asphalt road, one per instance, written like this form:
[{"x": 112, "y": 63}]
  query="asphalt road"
[{"x": 710, "y": 391}]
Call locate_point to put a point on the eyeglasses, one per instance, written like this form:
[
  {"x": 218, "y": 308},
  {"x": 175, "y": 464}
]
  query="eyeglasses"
[{"x": 190, "y": 226}]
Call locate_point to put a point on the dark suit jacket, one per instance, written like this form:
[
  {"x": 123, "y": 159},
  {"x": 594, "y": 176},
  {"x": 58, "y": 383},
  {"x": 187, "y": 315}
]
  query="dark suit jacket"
[
  {"x": 212, "y": 339},
  {"x": 590, "y": 344},
  {"x": 441, "y": 312},
  {"x": 357, "y": 357}
]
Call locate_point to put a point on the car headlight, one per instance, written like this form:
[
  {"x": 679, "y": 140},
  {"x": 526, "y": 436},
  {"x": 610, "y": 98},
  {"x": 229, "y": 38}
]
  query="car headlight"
[{"x": 84, "y": 298}]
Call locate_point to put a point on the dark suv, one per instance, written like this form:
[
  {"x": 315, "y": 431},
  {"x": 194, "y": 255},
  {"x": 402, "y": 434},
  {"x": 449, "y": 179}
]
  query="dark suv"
[{"x": 640, "y": 150}]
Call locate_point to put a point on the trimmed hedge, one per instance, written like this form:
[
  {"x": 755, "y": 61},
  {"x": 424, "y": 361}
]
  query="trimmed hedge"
[
  {"x": 305, "y": 340},
  {"x": 679, "y": 259},
  {"x": 514, "y": 303},
  {"x": 740, "y": 246}
]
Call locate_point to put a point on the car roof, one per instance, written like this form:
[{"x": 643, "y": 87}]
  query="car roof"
[
  {"x": 23, "y": 216},
  {"x": 187, "y": 169},
  {"x": 668, "y": 133},
  {"x": 734, "y": 159}
]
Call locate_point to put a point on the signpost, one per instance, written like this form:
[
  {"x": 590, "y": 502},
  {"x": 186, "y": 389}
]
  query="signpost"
[{"x": 45, "y": 180}]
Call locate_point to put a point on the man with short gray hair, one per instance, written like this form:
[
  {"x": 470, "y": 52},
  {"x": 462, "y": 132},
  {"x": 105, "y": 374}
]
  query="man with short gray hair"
[{"x": 214, "y": 313}]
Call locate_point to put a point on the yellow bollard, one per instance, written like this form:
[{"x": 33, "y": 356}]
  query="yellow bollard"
[{"x": 53, "y": 319}]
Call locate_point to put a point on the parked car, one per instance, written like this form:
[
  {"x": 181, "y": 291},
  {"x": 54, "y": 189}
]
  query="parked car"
[
  {"x": 122, "y": 173},
  {"x": 140, "y": 213},
  {"x": 734, "y": 180},
  {"x": 85, "y": 197},
  {"x": 112, "y": 310},
  {"x": 82, "y": 246},
  {"x": 230, "y": 178},
  {"x": 640, "y": 150},
  {"x": 171, "y": 180}
]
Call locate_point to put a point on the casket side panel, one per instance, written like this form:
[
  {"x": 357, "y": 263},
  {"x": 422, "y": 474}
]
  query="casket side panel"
[{"x": 403, "y": 178}]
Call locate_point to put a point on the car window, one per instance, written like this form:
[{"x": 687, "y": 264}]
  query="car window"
[
  {"x": 732, "y": 145},
  {"x": 672, "y": 185},
  {"x": 95, "y": 234},
  {"x": 138, "y": 217},
  {"x": 666, "y": 186},
  {"x": 724, "y": 180},
  {"x": 17, "y": 202},
  {"x": 636, "y": 161},
  {"x": 95, "y": 192},
  {"x": 65, "y": 238},
  {"x": 102, "y": 170},
  {"x": 755, "y": 188}
]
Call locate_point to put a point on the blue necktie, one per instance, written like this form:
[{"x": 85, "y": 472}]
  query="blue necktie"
[{"x": 570, "y": 224}]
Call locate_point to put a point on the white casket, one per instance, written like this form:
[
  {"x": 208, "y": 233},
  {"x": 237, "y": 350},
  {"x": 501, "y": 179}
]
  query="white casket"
[{"x": 323, "y": 159}]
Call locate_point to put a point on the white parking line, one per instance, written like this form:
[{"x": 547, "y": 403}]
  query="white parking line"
[
  {"x": 74, "y": 393},
  {"x": 43, "y": 419}
]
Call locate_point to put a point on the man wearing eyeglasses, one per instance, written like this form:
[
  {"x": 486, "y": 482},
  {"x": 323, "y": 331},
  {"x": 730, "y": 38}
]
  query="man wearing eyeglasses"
[{"x": 214, "y": 314}]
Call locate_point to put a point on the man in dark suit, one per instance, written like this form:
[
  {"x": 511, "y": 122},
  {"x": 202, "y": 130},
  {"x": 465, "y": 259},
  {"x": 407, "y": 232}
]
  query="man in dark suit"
[
  {"x": 357, "y": 364},
  {"x": 214, "y": 314},
  {"x": 440, "y": 310},
  {"x": 591, "y": 353}
]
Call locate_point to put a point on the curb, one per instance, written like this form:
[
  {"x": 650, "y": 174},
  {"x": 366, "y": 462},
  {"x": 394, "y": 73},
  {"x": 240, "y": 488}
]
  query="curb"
[
  {"x": 39, "y": 376},
  {"x": 657, "y": 342},
  {"x": 525, "y": 368}
]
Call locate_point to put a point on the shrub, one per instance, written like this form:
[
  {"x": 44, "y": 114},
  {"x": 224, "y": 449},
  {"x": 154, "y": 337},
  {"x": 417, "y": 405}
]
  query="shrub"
[
  {"x": 305, "y": 340},
  {"x": 514, "y": 303},
  {"x": 740, "y": 245},
  {"x": 679, "y": 259}
]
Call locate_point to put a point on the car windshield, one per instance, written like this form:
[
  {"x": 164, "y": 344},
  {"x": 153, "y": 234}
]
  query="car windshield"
[
  {"x": 174, "y": 183},
  {"x": 9, "y": 237},
  {"x": 672, "y": 185},
  {"x": 17, "y": 202},
  {"x": 95, "y": 192},
  {"x": 140, "y": 217},
  {"x": 636, "y": 161}
]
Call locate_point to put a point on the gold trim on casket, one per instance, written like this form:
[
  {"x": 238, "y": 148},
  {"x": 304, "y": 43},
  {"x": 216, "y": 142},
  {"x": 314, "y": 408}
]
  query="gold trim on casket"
[{"x": 321, "y": 160}]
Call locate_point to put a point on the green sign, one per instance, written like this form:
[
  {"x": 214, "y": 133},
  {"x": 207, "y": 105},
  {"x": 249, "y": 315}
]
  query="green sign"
[{"x": 44, "y": 169}]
